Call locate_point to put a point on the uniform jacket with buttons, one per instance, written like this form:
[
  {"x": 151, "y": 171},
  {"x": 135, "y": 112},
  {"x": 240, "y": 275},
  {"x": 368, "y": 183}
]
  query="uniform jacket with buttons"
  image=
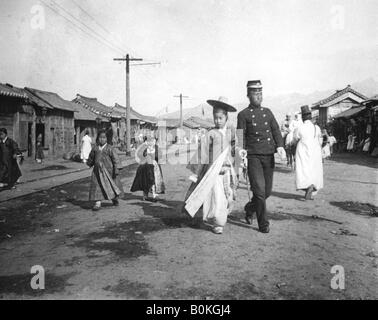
[{"x": 261, "y": 133}]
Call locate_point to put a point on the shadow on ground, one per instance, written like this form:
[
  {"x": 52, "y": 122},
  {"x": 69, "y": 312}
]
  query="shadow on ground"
[
  {"x": 284, "y": 195},
  {"x": 127, "y": 240},
  {"x": 363, "y": 209},
  {"x": 51, "y": 168}
]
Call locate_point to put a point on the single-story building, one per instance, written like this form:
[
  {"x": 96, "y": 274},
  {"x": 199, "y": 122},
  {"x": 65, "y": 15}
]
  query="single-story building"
[
  {"x": 338, "y": 102},
  {"x": 18, "y": 116},
  {"x": 138, "y": 122},
  {"x": 113, "y": 118},
  {"x": 27, "y": 113},
  {"x": 359, "y": 121},
  {"x": 57, "y": 124}
]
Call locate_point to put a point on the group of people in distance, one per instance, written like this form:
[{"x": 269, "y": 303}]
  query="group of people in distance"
[{"x": 214, "y": 179}]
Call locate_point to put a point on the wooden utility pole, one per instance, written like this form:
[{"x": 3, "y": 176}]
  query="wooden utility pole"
[
  {"x": 181, "y": 97},
  {"x": 128, "y": 122}
]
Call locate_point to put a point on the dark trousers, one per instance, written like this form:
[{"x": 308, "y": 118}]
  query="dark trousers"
[{"x": 260, "y": 174}]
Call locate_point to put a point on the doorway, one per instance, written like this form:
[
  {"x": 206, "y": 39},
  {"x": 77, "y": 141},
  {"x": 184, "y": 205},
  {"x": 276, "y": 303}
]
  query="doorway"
[{"x": 40, "y": 130}]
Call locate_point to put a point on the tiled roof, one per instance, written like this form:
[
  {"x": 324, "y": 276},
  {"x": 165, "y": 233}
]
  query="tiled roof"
[
  {"x": 86, "y": 115},
  {"x": 134, "y": 114},
  {"x": 50, "y": 100},
  {"x": 349, "y": 113},
  {"x": 97, "y": 107},
  {"x": 10, "y": 91},
  {"x": 338, "y": 94},
  {"x": 372, "y": 101}
]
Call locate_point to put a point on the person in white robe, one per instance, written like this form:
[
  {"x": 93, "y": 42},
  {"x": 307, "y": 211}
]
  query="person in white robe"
[
  {"x": 308, "y": 157},
  {"x": 351, "y": 142},
  {"x": 86, "y": 147},
  {"x": 297, "y": 121}
]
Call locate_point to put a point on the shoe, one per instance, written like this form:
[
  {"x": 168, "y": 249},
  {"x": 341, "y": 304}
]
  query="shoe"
[
  {"x": 218, "y": 230},
  {"x": 309, "y": 191},
  {"x": 96, "y": 208},
  {"x": 249, "y": 220},
  {"x": 264, "y": 230},
  {"x": 115, "y": 202}
]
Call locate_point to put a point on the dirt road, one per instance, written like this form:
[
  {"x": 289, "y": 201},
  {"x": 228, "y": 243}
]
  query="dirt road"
[{"x": 144, "y": 250}]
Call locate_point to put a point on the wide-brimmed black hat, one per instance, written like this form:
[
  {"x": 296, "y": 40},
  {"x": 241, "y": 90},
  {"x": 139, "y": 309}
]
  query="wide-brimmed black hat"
[
  {"x": 222, "y": 104},
  {"x": 305, "y": 110}
]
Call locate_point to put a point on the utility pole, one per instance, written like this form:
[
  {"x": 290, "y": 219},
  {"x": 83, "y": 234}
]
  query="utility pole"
[
  {"x": 128, "y": 122},
  {"x": 181, "y": 97}
]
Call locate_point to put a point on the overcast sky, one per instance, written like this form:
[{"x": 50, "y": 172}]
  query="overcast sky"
[{"x": 206, "y": 48}]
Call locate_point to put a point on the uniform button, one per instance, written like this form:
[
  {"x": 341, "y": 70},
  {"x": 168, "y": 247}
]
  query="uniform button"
[
  {"x": 258, "y": 139},
  {"x": 264, "y": 115},
  {"x": 268, "y": 139},
  {"x": 267, "y": 130},
  {"x": 261, "y": 109},
  {"x": 257, "y": 133},
  {"x": 266, "y": 123},
  {"x": 253, "y": 116}
]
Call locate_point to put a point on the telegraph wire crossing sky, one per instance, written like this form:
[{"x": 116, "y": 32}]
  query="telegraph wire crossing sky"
[{"x": 207, "y": 49}]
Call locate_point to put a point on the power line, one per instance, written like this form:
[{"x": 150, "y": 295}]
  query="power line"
[
  {"x": 80, "y": 28},
  {"x": 92, "y": 18},
  {"x": 85, "y": 25},
  {"x": 106, "y": 30},
  {"x": 100, "y": 25}
]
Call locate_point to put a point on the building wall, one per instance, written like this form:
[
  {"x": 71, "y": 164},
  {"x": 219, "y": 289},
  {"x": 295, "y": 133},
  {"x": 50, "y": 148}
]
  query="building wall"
[
  {"x": 326, "y": 114},
  {"x": 340, "y": 107},
  {"x": 19, "y": 120},
  {"x": 59, "y": 132}
]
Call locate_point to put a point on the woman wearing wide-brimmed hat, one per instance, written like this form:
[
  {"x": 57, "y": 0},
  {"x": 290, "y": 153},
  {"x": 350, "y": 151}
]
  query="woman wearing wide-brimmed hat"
[{"x": 214, "y": 178}]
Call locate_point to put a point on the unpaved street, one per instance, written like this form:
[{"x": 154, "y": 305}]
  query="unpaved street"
[{"x": 144, "y": 250}]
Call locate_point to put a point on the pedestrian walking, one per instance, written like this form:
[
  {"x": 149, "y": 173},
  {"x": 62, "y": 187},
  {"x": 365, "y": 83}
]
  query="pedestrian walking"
[
  {"x": 351, "y": 142},
  {"x": 261, "y": 138},
  {"x": 105, "y": 182},
  {"x": 86, "y": 146},
  {"x": 149, "y": 176},
  {"x": 308, "y": 158},
  {"x": 39, "y": 155},
  {"x": 214, "y": 178},
  {"x": 332, "y": 143},
  {"x": 9, "y": 169}
]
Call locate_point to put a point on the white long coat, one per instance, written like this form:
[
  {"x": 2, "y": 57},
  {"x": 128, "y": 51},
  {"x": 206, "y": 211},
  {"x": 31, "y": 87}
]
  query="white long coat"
[
  {"x": 86, "y": 147},
  {"x": 308, "y": 157}
]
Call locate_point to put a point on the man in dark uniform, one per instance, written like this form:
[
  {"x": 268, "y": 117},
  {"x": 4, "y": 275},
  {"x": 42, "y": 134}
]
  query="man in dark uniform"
[{"x": 261, "y": 138}]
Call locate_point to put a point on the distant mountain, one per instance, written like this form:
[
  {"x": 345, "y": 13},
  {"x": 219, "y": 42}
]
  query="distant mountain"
[
  {"x": 203, "y": 111},
  {"x": 280, "y": 104}
]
